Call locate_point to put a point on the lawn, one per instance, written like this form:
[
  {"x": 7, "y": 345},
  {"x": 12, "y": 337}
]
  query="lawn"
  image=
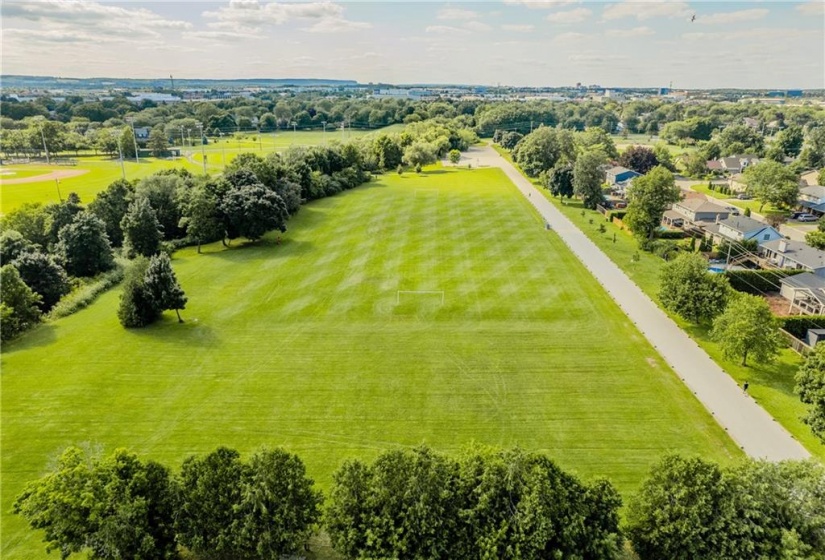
[
  {"x": 313, "y": 344},
  {"x": 103, "y": 170}
]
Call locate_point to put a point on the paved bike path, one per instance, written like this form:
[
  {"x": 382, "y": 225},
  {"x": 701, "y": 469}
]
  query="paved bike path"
[{"x": 750, "y": 426}]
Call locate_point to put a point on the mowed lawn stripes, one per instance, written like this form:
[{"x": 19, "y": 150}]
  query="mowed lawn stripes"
[{"x": 309, "y": 345}]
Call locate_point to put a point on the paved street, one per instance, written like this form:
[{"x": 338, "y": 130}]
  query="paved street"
[{"x": 756, "y": 432}]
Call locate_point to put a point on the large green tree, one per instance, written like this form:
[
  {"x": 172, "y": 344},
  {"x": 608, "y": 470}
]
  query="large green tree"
[
  {"x": 252, "y": 210},
  {"x": 44, "y": 276},
  {"x": 158, "y": 144},
  {"x": 112, "y": 508},
  {"x": 638, "y": 158},
  {"x": 110, "y": 206},
  {"x": 689, "y": 290},
  {"x": 141, "y": 229},
  {"x": 813, "y": 152},
  {"x": 772, "y": 182},
  {"x": 588, "y": 178},
  {"x": 559, "y": 180},
  {"x": 810, "y": 385},
  {"x": 648, "y": 198},
  {"x": 539, "y": 151},
  {"x": 137, "y": 306},
  {"x": 202, "y": 219},
  {"x": 31, "y": 220},
  {"x": 18, "y": 304},
  {"x": 164, "y": 194},
  {"x": 13, "y": 244},
  {"x": 789, "y": 141},
  {"x": 84, "y": 247},
  {"x": 747, "y": 328}
]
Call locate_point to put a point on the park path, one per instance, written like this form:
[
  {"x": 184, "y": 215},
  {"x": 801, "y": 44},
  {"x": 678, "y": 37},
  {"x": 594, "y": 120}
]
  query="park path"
[{"x": 750, "y": 426}]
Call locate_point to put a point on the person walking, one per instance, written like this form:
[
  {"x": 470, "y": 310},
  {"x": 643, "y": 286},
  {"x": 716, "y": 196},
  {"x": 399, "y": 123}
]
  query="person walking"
[{"x": 745, "y": 386}]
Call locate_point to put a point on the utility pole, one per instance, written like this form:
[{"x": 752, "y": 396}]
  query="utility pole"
[
  {"x": 59, "y": 196},
  {"x": 203, "y": 150},
  {"x": 260, "y": 140},
  {"x": 43, "y": 136},
  {"x": 294, "y": 131},
  {"x": 223, "y": 149},
  {"x": 342, "y": 130},
  {"x": 134, "y": 137},
  {"x": 182, "y": 142}
]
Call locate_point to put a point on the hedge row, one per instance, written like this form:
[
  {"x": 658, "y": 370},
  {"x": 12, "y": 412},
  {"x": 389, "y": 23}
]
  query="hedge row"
[
  {"x": 798, "y": 326},
  {"x": 757, "y": 282}
]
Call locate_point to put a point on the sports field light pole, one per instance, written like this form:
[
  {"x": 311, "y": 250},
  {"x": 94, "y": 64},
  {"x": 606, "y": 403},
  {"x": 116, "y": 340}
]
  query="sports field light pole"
[
  {"x": 120, "y": 151},
  {"x": 131, "y": 121},
  {"x": 59, "y": 196},
  {"x": 223, "y": 148},
  {"x": 43, "y": 136},
  {"x": 325, "y": 131},
  {"x": 294, "y": 131},
  {"x": 203, "y": 149}
]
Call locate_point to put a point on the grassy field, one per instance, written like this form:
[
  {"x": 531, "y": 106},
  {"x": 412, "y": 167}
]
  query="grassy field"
[
  {"x": 312, "y": 344},
  {"x": 103, "y": 170}
]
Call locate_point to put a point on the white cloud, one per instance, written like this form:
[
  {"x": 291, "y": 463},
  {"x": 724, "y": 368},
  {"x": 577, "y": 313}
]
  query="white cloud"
[
  {"x": 646, "y": 9},
  {"x": 221, "y": 35},
  {"x": 733, "y": 17},
  {"x": 251, "y": 14},
  {"x": 570, "y": 16},
  {"x": 477, "y": 26},
  {"x": 762, "y": 36},
  {"x": 52, "y": 36},
  {"x": 541, "y": 4},
  {"x": 812, "y": 8},
  {"x": 457, "y": 13},
  {"x": 635, "y": 32},
  {"x": 65, "y": 19},
  {"x": 518, "y": 28},
  {"x": 596, "y": 57},
  {"x": 444, "y": 29},
  {"x": 569, "y": 37}
]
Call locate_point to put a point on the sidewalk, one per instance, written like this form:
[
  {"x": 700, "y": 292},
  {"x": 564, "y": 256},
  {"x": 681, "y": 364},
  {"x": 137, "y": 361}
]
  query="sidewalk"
[{"x": 750, "y": 426}]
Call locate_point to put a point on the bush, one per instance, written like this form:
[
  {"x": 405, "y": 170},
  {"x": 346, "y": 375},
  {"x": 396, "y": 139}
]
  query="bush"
[
  {"x": 84, "y": 295},
  {"x": 757, "y": 282},
  {"x": 670, "y": 235}
]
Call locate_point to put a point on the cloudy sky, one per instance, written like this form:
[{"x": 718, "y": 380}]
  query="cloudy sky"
[{"x": 514, "y": 42}]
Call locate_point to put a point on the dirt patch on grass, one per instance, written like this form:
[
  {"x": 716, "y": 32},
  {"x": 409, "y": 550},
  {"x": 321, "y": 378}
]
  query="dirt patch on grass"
[{"x": 62, "y": 174}]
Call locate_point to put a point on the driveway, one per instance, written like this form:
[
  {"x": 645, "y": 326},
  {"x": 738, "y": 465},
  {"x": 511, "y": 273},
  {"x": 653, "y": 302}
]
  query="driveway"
[{"x": 750, "y": 426}]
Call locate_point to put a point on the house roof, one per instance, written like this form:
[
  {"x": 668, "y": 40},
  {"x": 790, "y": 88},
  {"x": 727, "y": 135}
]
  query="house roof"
[
  {"x": 806, "y": 280},
  {"x": 731, "y": 163},
  {"x": 743, "y": 224},
  {"x": 800, "y": 252},
  {"x": 713, "y": 165},
  {"x": 816, "y": 191},
  {"x": 618, "y": 170},
  {"x": 813, "y": 206},
  {"x": 702, "y": 205},
  {"x": 672, "y": 215}
]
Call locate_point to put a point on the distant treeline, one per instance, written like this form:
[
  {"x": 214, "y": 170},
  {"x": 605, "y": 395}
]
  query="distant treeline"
[{"x": 485, "y": 503}]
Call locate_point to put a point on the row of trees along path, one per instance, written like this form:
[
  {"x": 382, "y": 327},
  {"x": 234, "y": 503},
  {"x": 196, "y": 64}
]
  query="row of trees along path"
[{"x": 750, "y": 426}]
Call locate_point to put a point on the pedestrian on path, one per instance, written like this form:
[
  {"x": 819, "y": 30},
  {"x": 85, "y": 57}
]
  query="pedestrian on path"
[{"x": 745, "y": 386}]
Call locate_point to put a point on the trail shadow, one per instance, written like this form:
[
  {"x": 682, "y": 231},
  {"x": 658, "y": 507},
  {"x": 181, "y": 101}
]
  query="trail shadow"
[{"x": 42, "y": 335}]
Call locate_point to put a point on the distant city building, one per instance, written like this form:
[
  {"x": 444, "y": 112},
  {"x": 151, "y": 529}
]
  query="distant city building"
[{"x": 154, "y": 97}]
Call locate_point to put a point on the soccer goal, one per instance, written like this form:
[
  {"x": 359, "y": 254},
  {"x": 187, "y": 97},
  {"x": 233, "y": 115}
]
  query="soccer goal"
[{"x": 419, "y": 295}]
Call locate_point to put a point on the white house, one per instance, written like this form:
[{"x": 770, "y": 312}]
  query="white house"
[
  {"x": 812, "y": 199},
  {"x": 794, "y": 255},
  {"x": 741, "y": 228},
  {"x": 695, "y": 210}
]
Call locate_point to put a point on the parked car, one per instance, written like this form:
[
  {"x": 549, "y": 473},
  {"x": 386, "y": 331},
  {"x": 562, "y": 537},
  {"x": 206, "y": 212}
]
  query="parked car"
[
  {"x": 807, "y": 218},
  {"x": 743, "y": 196},
  {"x": 734, "y": 211}
]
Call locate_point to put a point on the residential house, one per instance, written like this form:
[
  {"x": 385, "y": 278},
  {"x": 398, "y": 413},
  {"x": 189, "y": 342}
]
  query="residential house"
[
  {"x": 142, "y": 134},
  {"x": 805, "y": 292},
  {"x": 737, "y": 184},
  {"x": 618, "y": 174},
  {"x": 793, "y": 255},
  {"x": 812, "y": 199},
  {"x": 714, "y": 166},
  {"x": 694, "y": 210},
  {"x": 741, "y": 228}
]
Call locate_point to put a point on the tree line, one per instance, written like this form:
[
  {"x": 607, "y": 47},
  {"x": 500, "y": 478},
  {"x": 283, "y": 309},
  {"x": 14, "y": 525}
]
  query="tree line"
[
  {"x": 418, "y": 503},
  {"x": 48, "y": 250}
]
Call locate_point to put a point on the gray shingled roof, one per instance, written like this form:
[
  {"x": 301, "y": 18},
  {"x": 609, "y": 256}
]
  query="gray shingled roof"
[
  {"x": 743, "y": 224},
  {"x": 800, "y": 252},
  {"x": 807, "y": 280},
  {"x": 702, "y": 205},
  {"x": 813, "y": 190}
]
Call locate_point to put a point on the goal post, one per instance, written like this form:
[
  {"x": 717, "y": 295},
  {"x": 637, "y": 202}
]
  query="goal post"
[{"x": 434, "y": 294}]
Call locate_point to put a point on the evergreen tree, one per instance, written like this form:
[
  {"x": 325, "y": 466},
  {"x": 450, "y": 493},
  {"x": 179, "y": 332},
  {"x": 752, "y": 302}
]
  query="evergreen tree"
[
  {"x": 111, "y": 205},
  {"x": 162, "y": 285},
  {"x": 137, "y": 306},
  {"x": 157, "y": 143},
  {"x": 60, "y": 215},
  {"x": 141, "y": 229}
]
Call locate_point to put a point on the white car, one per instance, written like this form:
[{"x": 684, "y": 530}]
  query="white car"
[{"x": 806, "y": 218}]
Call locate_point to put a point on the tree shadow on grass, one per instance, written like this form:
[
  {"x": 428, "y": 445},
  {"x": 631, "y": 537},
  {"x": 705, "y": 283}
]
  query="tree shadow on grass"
[
  {"x": 169, "y": 331},
  {"x": 243, "y": 251},
  {"x": 42, "y": 335}
]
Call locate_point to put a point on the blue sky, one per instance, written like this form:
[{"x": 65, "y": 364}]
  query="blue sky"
[{"x": 512, "y": 42}]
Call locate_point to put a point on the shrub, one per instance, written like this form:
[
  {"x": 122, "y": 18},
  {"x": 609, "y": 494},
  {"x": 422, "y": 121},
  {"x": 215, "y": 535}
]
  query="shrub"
[
  {"x": 757, "y": 282},
  {"x": 670, "y": 235},
  {"x": 83, "y": 296}
]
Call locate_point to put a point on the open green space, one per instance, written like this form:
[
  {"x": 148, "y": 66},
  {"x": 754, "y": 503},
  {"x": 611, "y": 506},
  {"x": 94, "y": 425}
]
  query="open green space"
[
  {"x": 333, "y": 340},
  {"x": 753, "y": 204},
  {"x": 103, "y": 170}
]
